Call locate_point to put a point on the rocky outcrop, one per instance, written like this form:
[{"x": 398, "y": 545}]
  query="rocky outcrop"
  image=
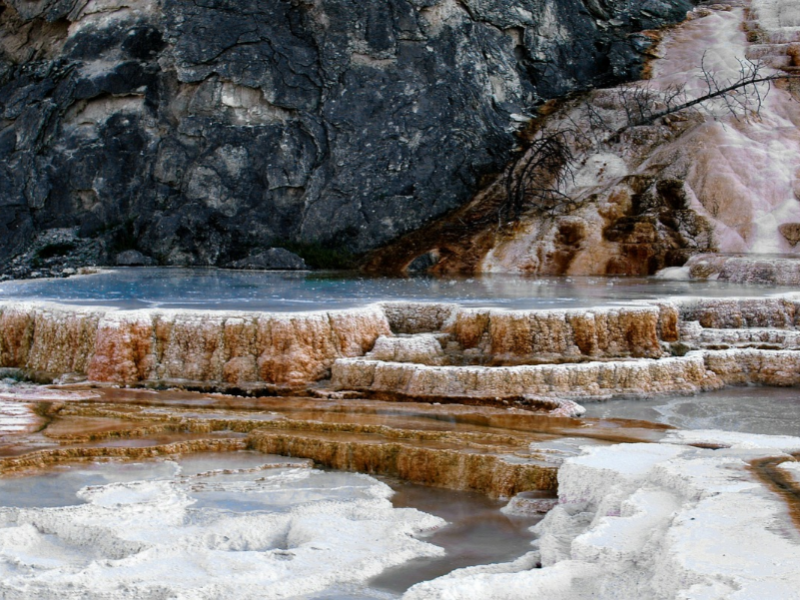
[
  {"x": 633, "y": 179},
  {"x": 133, "y": 258},
  {"x": 272, "y": 259},
  {"x": 195, "y": 133}
]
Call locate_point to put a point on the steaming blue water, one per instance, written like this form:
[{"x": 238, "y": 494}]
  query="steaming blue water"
[{"x": 216, "y": 289}]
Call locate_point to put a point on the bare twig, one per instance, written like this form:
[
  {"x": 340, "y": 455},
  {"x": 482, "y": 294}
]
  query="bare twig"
[
  {"x": 541, "y": 177},
  {"x": 538, "y": 179},
  {"x": 742, "y": 96}
]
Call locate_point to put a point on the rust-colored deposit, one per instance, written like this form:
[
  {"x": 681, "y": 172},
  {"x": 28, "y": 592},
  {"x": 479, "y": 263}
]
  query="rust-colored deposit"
[
  {"x": 460, "y": 239},
  {"x": 779, "y": 481},
  {"x": 183, "y": 346},
  {"x": 560, "y": 336},
  {"x": 489, "y": 450}
]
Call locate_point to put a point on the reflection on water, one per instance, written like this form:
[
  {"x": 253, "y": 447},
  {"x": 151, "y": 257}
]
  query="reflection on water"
[
  {"x": 477, "y": 533},
  {"x": 763, "y": 410},
  {"x": 218, "y": 289},
  {"x": 59, "y": 486}
]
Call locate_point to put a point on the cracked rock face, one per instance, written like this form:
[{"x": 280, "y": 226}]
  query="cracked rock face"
[{"x": 198, "y": 132}]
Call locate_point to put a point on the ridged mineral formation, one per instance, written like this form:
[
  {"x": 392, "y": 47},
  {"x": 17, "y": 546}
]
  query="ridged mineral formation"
[
  {"x": 416, "y": 351},
  {"x": 489, "y": 450},
  {"x": 656, "y": 521},
  {"x": 130, "y": 347},
  {"x": 219, "y": 527},
  {"x": 595, "y": 380},
  {"x": 567, "y": 335}
]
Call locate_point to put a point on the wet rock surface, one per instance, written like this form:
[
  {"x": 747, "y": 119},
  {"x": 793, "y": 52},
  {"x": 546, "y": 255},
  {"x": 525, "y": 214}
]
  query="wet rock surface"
[
  {"x": 488, "y": 452},
  {"x": 195, "y": 133},
  {"x": 491, "y": 450},
  {"x": 608, "y": 499},
  {"x": 658, "y": 521}
]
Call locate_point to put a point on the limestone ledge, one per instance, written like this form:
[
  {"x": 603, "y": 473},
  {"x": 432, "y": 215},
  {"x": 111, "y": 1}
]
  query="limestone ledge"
[
  {"x": 761, "y": 338},
  {"x": 127, "y": 347},
  {"x": 778, "y": 311},
  {"x": 631, "y": 331},
  {"x": 593, "y": 380},
  {"x": 483, "y": 472},
  {"x": 751, "y": 366},
  {"x": 420, "y": 350}
]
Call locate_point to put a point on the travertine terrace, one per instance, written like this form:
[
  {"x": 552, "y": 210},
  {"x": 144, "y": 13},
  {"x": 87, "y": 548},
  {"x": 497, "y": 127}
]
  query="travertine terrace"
[
  {"x": 489, "y": 450},
  {"x": 170, "y": 346},
  {"x": 656, "y": 521},
  {"x": 417, "y": 351}
]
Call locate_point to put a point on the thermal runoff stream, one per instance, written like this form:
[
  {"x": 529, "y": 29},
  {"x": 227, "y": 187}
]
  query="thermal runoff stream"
[{"x": 201, "y": 434}]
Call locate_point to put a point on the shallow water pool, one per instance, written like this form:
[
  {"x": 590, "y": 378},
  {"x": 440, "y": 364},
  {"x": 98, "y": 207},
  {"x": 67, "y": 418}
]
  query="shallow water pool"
[
  {"x": 219, "y": 289},
  {"x": 763, "y": 410}
]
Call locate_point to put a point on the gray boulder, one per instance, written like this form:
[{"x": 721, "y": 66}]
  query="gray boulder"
[
  {"x": 277, "y": 259},
  {"x": 133, "y": 258}
]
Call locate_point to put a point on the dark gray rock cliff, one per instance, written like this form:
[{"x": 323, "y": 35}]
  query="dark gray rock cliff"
[{"x": 198, "y": 132}]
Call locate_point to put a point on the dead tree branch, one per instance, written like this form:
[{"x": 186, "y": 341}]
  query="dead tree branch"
[
  {"x": 542, "y": 176},
  {"x": 539, "y": 178},
  {"x": 742, "y": 97}
]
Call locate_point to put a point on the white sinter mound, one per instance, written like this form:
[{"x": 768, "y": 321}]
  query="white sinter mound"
[
  {"x": 651, "y": 522},
  {"x": 745, "y": 172},
  {"x": 272, "y": 533}
]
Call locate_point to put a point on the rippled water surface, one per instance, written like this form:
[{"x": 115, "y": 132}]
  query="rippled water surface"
[{"x": 218, "y": 289}]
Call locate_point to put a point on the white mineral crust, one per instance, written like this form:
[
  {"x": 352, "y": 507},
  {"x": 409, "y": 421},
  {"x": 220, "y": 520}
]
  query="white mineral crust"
[
  {"x": 654, "y": 521},
  {"x": 151, "y": 539}
]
